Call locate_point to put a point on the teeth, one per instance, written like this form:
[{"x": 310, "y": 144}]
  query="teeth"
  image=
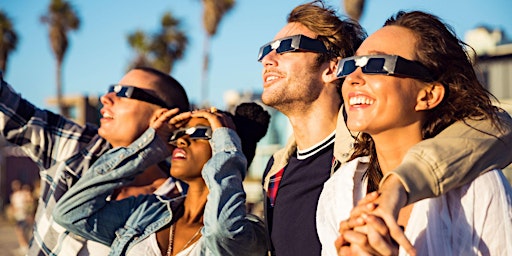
[
  {"x": 271, "y": 78},
  {"x": 360, "y": 100},
  {"x": 106, "y": 115},
  {"x": 179, "y": 154}
]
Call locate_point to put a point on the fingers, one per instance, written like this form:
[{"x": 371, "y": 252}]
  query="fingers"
[
  {"x": 215, "y": 118},
  {"x": 378, "y": 236}
]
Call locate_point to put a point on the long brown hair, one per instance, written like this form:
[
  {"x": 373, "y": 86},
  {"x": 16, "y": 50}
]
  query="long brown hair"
[{"x": 444, "y": 55}]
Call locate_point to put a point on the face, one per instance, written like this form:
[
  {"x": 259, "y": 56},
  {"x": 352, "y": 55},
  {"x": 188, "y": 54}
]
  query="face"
[
  {"x": 125, "y": 119},
  {"x": 190, "y": 155},
  {"x": 376, "y": 102},
  {"x": 291, "y": 77}
]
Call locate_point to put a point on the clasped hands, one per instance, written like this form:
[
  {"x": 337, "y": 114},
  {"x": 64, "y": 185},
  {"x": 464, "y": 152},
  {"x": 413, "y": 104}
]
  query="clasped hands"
[{"x": 372, "y": 228}]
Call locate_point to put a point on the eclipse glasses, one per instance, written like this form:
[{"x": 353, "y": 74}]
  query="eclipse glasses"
[
  {"x": 196, "y": 133},
  {"x": 292, "y": 43},
  {"x": 392, "y": 65},
  {"x": 132, "y": 92}
]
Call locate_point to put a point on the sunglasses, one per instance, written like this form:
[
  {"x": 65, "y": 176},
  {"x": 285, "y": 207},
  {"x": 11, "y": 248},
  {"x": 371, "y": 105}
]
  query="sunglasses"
[
  {"x": 292, "y": 43},
  {"x": 196, "y": 133},
  {"x": 392, "y": 65},
  {"x": 132, "y": 92}
]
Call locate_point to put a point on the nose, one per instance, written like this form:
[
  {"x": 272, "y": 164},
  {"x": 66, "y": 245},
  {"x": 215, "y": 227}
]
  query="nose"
[
  {"x": 107, "y": 98},
  {"x": 270, "y": 58},
  {"x": 183, "y": 142},
  {"x": 355, "y": 78}
]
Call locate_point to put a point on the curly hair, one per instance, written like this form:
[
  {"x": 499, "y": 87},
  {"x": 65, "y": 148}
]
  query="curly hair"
[{"x": 251, "y": 122}]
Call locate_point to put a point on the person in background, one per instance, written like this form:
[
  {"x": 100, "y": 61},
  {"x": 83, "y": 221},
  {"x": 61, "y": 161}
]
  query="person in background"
[
  {"x": 299, "y": 80},
  {"x": 21, "y": 208},
  {"x": 212, "y": 219},
  {"x": 398, "y": 94},
  {"x": 63, "y": 150}
]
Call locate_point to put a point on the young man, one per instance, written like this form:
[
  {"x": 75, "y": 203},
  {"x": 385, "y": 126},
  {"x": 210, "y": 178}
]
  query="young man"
[
  {"x": 299, "y": 79},
  {"x": 63, "y": 149}
]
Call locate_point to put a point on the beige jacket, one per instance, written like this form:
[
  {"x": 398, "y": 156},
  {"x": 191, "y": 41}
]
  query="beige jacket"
[
  {"x": 454, "y": 157},
  {"x": 434, "y": 166}
]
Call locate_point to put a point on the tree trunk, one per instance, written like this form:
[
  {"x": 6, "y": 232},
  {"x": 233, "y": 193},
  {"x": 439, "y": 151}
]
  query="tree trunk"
[
  {"x": 204, "y": 74},
  {"x": 60, "y": 104}
]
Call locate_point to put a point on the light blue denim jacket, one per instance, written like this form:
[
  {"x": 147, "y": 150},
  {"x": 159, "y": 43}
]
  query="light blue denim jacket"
[{"x": 227, "y": 230}]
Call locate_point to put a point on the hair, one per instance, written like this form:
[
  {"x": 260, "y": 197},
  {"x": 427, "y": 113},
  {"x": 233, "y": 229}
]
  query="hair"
[
  {"x": 168, "y": 89},
  {"x": 341, "y": 37},
  {"x": 251, "y": 122},
  {"x": 444, "y": 55}
]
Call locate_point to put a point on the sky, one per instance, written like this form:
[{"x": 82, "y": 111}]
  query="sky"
[{"x": 99, "y": 53}]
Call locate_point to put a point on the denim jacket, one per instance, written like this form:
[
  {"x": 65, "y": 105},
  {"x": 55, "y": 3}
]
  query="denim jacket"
[{"x": 227, "y": 229}]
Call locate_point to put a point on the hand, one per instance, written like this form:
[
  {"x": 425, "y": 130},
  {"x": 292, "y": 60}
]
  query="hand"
[
  {"x": 167, "y": 121},
  {"x": 371, "y": 213},
  {"x": 363, "y": 233},
  {"x": 216, "y": 119},
  {"x": 371, "y": 238}
]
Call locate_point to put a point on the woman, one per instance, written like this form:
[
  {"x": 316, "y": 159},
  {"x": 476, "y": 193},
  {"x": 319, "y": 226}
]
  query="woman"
[
  {"x": 398, "y": 93},
  {"x": 210, "y": 220}
]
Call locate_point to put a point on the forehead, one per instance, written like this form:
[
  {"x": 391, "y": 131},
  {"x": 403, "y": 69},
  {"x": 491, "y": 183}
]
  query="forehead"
[
  {"x": 390, "y": 40},
  {"x": 294, "y": 28},
  {"x": 139, "y": 78},
  {"x": 195, "y": 121}
]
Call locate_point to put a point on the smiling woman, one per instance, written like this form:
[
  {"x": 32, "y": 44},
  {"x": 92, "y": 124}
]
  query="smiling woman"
[{"x": 400, "y": 93}]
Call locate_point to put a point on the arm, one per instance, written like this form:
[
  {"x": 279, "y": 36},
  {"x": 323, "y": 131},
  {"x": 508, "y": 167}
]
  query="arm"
[
  {"x": 42, "y": 135},
  {"x": 228, "y": 229},
  {"x": 454, "y": 157},
  {"x": 434, "y": 166},
  {"x": 84, "y": 209}
]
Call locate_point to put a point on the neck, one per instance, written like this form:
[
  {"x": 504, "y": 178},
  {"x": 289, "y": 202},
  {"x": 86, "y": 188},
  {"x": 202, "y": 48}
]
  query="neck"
[
  {"x": 392, "y": 145},
  {"x": 195, "y": 202},
  {"x": 314, "y": 122}
]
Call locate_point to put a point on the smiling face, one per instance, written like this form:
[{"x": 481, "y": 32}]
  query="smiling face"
[
  {"x": 190, "y": 155},
  {"x": 291, "y": 77},
  {"x": 375, "y": 102},
  {"x": 125, "y": 119}
]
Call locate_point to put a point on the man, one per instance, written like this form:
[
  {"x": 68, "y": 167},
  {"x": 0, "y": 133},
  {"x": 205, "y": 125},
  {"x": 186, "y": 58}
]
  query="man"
[
  {"x": 63, "y": 149},
  {"x": 299, "y": 69}
]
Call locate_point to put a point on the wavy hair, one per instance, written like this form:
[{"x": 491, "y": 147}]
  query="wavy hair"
[{"x": 438, "y": 48}]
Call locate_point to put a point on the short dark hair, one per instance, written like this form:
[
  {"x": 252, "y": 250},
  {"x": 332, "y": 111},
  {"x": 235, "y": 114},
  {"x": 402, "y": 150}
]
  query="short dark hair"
[{"x": 168, "y": 89}]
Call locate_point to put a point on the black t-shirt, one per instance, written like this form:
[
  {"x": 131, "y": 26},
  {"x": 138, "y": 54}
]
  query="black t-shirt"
[{"x": 293, "y": 218}]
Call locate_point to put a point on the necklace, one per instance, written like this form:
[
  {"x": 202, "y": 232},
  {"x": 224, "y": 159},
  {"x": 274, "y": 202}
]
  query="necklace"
[{"x": 172, "y": 230}]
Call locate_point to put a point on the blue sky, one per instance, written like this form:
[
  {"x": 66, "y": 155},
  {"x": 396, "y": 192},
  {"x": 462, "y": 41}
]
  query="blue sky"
[{"x": 99, "y": 52}]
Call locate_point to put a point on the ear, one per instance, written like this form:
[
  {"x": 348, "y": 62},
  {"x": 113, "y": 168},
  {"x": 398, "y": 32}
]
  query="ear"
[
  {"x": 430, "y": 96},
  {"x": 329, "y": 74},
  {"x": 156, "y": 114}
]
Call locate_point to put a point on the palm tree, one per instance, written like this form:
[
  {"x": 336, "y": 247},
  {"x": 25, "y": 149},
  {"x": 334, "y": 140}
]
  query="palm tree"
[
  {"x": 61, "y": 18},
  {"x": 162, "y": 49},
  {"x": 354, "y": 8},
  {"x": 169, "y": 44},
  {"x": 213, "y": 12},
  {"x": 139, "y": 41},
  {"x": 8, "y": 39}
]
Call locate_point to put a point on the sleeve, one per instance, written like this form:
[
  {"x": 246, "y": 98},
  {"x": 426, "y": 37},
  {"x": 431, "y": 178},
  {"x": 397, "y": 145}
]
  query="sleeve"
[
  {"x": 85, "y": 210},
  {"x": 455, "y": 157},
  {"x": 43, "y": 136},
  {"x": 228, "y": 229}
]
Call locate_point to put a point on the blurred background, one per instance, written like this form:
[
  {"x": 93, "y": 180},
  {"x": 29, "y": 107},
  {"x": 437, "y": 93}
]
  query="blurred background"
[{"x": 62, "y": 55}]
